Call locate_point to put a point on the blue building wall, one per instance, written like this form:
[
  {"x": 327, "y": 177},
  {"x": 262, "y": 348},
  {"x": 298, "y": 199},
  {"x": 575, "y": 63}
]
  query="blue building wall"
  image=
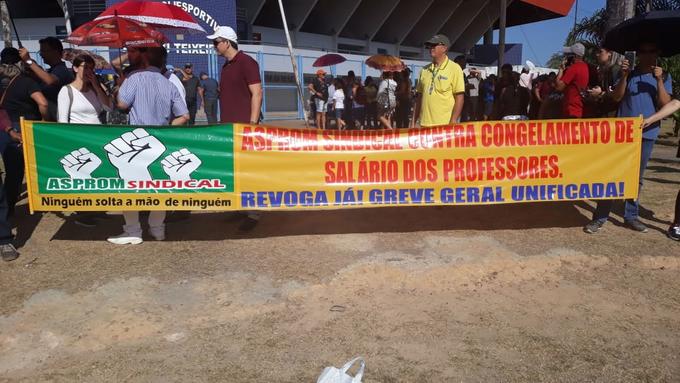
[{"x": 488, "y": 54}]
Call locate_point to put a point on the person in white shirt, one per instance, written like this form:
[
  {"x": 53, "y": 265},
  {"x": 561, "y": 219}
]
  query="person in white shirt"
[
  {"x": 329, "y": 107},
  {"x": 339, "y": 103},
  {"x": 83, "y": 100},
  {"x": 174, "y": 79},
  {"x": 387, "y": 99},
  {"x": 526, "y": 78}
]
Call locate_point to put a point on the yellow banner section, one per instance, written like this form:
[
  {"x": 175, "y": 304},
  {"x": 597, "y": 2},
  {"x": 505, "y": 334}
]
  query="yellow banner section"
[
  {"x": 274, "y": 168},
  {"x": 475, "y": 163}
]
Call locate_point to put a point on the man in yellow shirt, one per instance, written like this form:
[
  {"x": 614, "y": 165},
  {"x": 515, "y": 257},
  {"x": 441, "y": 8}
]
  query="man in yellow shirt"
[{"x": 441, "y": 87}]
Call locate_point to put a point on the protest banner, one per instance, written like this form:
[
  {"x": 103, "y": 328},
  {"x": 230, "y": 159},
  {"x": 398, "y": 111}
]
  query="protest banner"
[{"x": 244, "y": 167}]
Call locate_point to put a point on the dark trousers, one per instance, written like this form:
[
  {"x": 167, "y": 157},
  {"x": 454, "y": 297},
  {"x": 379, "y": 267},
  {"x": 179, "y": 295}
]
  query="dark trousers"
[
  {"x": 473, "y": 108},
  {"x": 676, "y": 219},
  {"x": 210, "y": 108},
  {"x": 359, "y": 116},
  {"x": 192, "y": 105},
  {"x": 372, "y": 115},
  {"x": 11, "y": 176},
  {"x": 14, "y": 176},
  {"x": 604, "y": 207},
  {"x": 402, "y": 114},
  {"x": 5, "y": 227}
]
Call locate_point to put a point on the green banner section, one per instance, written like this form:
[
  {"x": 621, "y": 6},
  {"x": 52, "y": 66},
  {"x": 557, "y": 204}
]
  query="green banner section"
[{"x": 101, "y": 159}]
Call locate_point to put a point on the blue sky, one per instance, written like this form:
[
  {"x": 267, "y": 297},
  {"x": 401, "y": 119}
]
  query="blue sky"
[{"x": 540, "y": 40}]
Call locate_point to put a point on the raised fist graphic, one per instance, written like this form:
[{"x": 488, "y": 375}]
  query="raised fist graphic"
[
  {"x": 180, "y": 164},
  {"x": 80, "y": 163},
  {"x": 132, "y": 154}
]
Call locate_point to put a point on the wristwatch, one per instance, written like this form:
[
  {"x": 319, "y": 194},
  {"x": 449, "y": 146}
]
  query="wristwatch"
[{"x": 29, "y": 62}]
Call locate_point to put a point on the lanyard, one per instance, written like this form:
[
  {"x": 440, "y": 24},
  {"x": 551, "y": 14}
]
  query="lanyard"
[{"x": 435, "y": 73}]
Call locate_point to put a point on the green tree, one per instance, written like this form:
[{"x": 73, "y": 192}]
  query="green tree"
[{"x": 590, "y": 31}]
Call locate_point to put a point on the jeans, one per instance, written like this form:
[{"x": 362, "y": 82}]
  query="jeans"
[
  {"x": 631, "y": 209},
  {"x": 210, "y": 108},
  {"x": 192, "y": 105}
]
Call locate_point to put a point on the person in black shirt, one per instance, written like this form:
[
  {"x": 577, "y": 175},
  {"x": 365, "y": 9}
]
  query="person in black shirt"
[
  {"x": 21, "y": 97},
  {"x": 319, "y": 90},
  {"x": 209, "y": 92},
  {"x": 58, "y": 75},
  {"x": 191, "y": 86}
]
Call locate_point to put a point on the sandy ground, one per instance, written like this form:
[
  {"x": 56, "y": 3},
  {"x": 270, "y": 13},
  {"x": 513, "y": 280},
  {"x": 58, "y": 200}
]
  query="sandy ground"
[{"x": 512, "y": 293}]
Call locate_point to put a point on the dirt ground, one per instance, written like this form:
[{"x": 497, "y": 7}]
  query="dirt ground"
[{"x": 510, "y": 293}]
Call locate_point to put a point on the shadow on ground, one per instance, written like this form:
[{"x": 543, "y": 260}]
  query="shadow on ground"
[{"x": 220, "y": 226}]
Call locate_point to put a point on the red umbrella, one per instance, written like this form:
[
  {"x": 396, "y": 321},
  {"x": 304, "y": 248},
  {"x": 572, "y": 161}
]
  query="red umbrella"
[
  {"x": 329, "y": 59},
  {"x": 116, "y": 32},
  {"x": 158, "y": 15},
  {"x": 386, "y": 63}
]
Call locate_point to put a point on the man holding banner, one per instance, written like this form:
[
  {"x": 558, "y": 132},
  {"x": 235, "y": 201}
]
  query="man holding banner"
[
  {"x": 153, "y": 100},
  {"x": 240, "y": 91},
  {"x": 641, "y": 91}
]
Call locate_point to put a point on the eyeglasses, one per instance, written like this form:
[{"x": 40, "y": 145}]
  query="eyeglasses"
[
  {"x": 218, "y": 42},
  {"x": 430, "y": 46}
]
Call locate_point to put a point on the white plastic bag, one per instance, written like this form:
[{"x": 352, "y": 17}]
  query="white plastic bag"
[{"x": 339, "y": 375}]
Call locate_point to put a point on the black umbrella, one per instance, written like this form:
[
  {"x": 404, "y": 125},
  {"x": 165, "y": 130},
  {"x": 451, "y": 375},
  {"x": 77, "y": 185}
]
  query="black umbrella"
[{"x": 660, "y": 27}]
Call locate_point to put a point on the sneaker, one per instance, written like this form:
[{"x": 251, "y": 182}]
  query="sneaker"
[
  {"x": 635, "y": 224},
  {"x": 248, "y": 224},
  {"x": 593, "y": 226},
  {"x": 8, "y": 252},
  {"x": 125, "y": 239},
  {"x": 674, "y": 232},
  {"x": 157, "y": 234}
]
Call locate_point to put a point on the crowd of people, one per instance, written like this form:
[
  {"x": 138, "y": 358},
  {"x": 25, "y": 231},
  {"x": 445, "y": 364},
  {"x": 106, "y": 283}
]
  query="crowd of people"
[
  {"x": 350, "y": 103},
  {"x": 149, "y": 92},
  {"x": 443, "y": 95}
]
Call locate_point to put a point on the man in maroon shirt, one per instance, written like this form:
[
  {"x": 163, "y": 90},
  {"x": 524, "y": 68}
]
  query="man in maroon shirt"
[
  {"x": 240, "y": 83},
  {"x": 572, "y": 80},
  {"x": 240, "y": 93}
]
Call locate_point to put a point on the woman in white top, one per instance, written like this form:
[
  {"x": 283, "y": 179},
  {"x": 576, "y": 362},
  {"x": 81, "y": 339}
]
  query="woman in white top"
[
  {"x": 339, "y": 103},
  {"x": 86, "y": 99},
  {"x": 387, "y": 99}
]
